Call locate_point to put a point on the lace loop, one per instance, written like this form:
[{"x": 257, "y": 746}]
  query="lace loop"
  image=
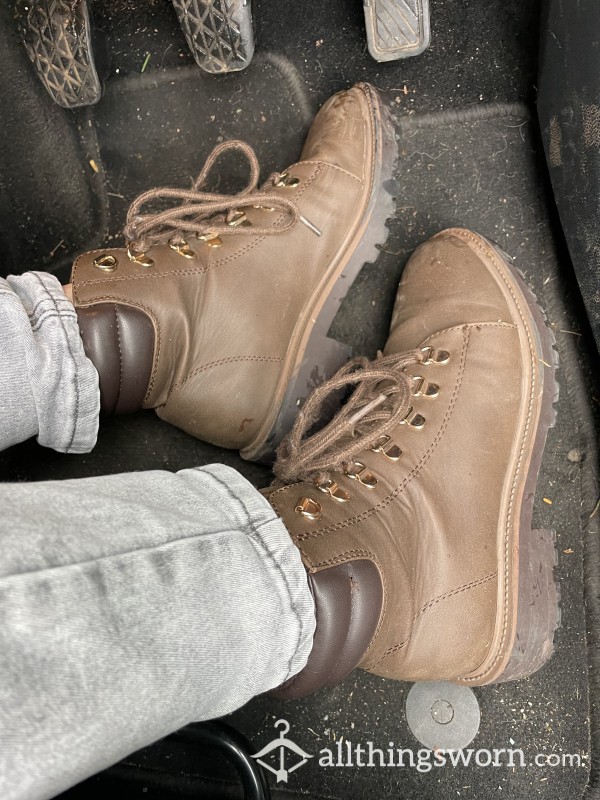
[
  {"x": 379, "y": 402},
  {"x": 201, "y": 212}
]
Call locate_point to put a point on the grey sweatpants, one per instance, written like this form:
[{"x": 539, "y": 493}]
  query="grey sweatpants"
[{"x": 130, "y": 605}]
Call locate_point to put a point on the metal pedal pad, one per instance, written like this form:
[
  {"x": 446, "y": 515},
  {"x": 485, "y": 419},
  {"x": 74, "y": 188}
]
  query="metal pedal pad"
[
  {"x": 57, "y": 37},
  {"x": 218, "y": 32},
  {"x": 397, "y": 28}
]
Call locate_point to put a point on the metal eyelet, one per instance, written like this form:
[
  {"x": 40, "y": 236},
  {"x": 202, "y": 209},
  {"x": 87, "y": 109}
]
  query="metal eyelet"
[
  {"x": 287, "y": 181},
  {"x": 183, "y": 249},
  {"x": 307, "y": 507},
  {"x": 433, "y": 356},
  {"x": 239, "y": 218},
  {"x": 331, "y": 488},
  {"x": 385, "y": 445},
  {"x": 211, "y": 239},
  {"x": 413, "y": 419},
  {"x": 422, "y": 388},
  {"x": 360, "y": 473},
  {"x": 106, "y": 262},
  {"x": 140, "y": 258}
]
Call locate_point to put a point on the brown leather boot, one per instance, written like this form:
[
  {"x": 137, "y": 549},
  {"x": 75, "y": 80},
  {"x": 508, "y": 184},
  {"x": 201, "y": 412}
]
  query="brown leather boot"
[
  {"x": 217, "y": 312},
  {"x": 413, "y": 506}
]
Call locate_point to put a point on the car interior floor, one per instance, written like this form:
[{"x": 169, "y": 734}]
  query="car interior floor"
[{"x": 470, "y": 154}]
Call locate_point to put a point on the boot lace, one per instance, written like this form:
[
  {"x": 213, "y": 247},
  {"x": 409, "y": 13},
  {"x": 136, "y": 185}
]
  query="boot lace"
[
  {"x": 205, "y": 214},
  {"x": 380, "y": 401}
]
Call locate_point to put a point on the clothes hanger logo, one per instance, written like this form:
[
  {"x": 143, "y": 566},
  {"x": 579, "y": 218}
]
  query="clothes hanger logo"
[{"x": 285, "y": 746}]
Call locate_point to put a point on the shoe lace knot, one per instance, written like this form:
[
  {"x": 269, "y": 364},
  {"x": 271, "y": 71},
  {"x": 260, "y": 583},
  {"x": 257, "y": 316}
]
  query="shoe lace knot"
[
  {"x": 206, "y": 214},
  {"x": 380, "y": 401}
]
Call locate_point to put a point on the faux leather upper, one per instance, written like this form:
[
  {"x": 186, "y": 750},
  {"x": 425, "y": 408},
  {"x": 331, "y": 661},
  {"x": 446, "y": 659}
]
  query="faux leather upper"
[
  {"x": 438, "y": 524},
  {"x": 119, "y": 340},
  {"x": 228, "y": 322}
]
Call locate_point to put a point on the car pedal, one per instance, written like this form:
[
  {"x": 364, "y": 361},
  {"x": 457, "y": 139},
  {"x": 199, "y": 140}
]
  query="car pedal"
[
  {"x": 397, "y": 28},
  {"x": 218, "y": 32},
  {"x": 57, "y": 36}
]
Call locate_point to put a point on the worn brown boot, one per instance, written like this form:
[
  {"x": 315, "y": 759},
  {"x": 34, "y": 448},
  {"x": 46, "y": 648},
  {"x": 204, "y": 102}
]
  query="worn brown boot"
[
  {"x": 412, "y": 508},
  {"x": 217, "y": 312}
]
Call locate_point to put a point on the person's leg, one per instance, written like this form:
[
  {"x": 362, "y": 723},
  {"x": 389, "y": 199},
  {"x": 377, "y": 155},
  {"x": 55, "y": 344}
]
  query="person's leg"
[
  {"x": 48, "y": 388},
  {"x": 132, "y": 605}
]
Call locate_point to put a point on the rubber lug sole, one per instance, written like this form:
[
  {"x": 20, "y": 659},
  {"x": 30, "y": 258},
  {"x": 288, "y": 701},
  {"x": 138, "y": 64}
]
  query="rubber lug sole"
[
  {"x": 218, "y": 32},
  {"x": 57, "y": 35},
  {"x": 322, "y": 356},
  {"x": 397, "y": 28},
  {"x": 538, "y": 607}
]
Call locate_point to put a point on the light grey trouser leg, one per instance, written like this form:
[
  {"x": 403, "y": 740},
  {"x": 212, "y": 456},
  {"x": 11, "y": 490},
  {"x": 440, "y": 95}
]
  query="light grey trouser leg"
[
  {"x": 48, "y": 388},
  {"x": 131, "y": 605}
]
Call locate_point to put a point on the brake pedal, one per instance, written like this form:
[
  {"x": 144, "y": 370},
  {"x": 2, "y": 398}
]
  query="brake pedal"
[
  {"x": 218, "y": 32},
  {"x": 397, "y": 28}
]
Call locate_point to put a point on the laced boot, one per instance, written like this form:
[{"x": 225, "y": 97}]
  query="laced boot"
[
  {"x": 412, "y": 507},
  {"x": 216, "y": 313}
]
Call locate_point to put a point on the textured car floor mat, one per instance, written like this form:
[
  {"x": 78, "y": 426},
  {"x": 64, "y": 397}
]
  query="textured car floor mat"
[{"x": 479, "y": 168}]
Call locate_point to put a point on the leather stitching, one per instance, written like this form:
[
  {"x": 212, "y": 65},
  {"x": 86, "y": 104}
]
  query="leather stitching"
[
  {"x": 373, "y": 138},
  {"x": 340, "y": 559},
  {"x": 430, "y": 604},
  {"x": 471, "y": 325},
  {"x": 473, "y": 584},
  {"x": 120, "y": 357},
  {"x": 218, "y": 363},
  {"x": 328, "y": 164},
  {"x": 391, "y": 650}
]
